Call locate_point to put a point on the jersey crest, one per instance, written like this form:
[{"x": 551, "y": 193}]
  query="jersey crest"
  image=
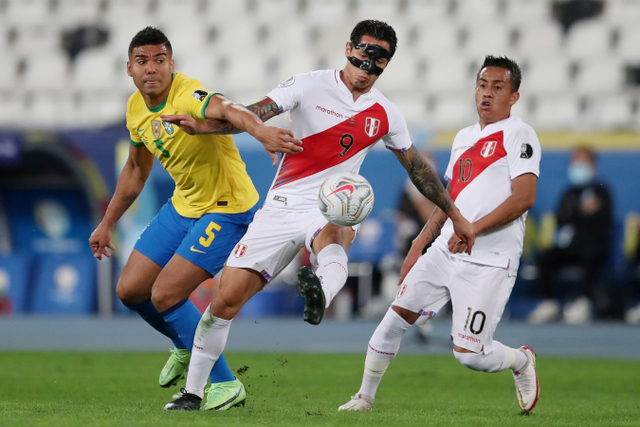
[
  {"x": 371, "y": 126},
  {"x": 475, "y": 160},
  {"x": 334, "y": 145},
  {"x": 488, "y": 148},
  {"x": 156, "y": 128}
]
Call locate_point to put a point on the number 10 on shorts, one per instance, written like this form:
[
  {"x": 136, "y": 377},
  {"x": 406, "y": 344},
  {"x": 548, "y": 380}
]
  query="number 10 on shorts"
[{"x": 475, "y": 321}]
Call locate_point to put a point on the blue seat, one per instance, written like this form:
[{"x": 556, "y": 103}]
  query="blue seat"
[
  {"x": 65, "y": 285},
  {"x": 14, "y": 282},
  {"x": 375, "y": 240}
]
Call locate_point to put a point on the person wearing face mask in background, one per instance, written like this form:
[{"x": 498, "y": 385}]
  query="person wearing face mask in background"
[{"x": 583, "y": 239}]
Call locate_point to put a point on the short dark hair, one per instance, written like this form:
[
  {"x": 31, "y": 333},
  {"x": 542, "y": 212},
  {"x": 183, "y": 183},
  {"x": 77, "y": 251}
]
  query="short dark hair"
[
  {"x": 588, "y": 150},
  {"x": 376, "y": 29},
  {"x": 506, "y": 63},
  {"x": 149, "y": 36}
]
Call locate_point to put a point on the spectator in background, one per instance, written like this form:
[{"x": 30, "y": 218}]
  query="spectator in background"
[
  {"x": 632, "y": 315},
  {"x": 585, "y": 223}
]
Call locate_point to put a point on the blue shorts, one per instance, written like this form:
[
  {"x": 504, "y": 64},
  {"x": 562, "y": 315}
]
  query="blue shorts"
[{"x": 206, "y": 241}]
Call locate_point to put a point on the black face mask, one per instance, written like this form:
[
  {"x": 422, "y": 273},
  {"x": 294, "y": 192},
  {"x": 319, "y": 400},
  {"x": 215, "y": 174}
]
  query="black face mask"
[{"x": 374, "y": 52}]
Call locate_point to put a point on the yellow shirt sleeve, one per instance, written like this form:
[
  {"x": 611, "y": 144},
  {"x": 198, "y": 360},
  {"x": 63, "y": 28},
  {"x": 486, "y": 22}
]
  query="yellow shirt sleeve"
[
  {"x": 133, "y": 132},
  {"x": 193, "y": 99}
]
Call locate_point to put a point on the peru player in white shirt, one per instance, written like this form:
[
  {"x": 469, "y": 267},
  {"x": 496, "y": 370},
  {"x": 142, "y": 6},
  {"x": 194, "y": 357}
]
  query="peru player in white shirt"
[
  {"x": 338, "y": 115},
  {"x": 492, "y": 175}
]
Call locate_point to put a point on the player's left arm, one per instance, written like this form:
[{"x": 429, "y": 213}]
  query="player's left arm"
[
  {"x": 426, "y": 180},
  {"x": 520, "y": 201}
]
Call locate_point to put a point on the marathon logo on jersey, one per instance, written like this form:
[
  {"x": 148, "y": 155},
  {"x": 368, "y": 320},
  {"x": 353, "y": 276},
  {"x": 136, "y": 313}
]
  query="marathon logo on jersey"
[
  {"x": 488, "y": 148},
  {"x": 240, "y": 250},
  {"x": 329, "y": 112},
  {"x": 199, "y": 94},
  {"x": 371, "y": 126},
  {"x": 156, "y": 128},
  {"x": 401, "y": 290}
]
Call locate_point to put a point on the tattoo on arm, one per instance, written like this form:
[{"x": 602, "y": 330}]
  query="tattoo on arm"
[
  {"x": 434, "y": 225},
  {"x": 425, "y": 178},
  {"x": 265, "y": 109}
]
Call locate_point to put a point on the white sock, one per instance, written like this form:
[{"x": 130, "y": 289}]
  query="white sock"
[
  {"x": 383, "y": 348},
  {"x": 500, "y": 358},
  {"x": 208, "y": 344},
  {"x": 332, "y": 270}
]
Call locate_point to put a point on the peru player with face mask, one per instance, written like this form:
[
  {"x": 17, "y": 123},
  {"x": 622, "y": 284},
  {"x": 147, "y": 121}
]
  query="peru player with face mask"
[{"x": 339, "y": 116}]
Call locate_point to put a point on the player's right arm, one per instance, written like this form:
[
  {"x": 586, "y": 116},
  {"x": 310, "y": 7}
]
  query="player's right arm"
[
  {"x": 133, "y": 176},
  {"x": 425, "y": 178},
  {"x": 428, "y": 234},
  {"x": 265, "y": 109}
]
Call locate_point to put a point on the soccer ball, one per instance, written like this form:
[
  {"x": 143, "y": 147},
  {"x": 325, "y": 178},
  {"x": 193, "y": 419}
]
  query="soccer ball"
[{"x": 346, "y": 198}]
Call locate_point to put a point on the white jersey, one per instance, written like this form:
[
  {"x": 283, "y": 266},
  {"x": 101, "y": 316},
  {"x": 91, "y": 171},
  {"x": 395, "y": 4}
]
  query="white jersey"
[
  {"x": 337, "y": 133},
  {"x": 481, "y": 167}
]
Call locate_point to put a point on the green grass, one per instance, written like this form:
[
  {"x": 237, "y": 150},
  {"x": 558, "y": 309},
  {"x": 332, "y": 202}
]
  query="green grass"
[{"x": 120, "y": 389}]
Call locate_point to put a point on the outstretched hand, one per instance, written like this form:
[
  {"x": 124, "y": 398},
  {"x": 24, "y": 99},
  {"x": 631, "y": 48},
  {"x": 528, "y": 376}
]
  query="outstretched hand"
[
  {"x": 278, "y": 140},
  {"x": 100, "y": 240}
]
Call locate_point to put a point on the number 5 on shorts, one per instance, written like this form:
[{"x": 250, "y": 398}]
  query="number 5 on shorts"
[{"x": 210, "y": 234}]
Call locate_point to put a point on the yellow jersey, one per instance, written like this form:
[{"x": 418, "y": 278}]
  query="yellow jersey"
[{"x": 209, "y": 174}]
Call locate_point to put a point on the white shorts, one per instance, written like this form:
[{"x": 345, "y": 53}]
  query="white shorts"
[
  {"x": 274, "y": 238},
  {"x": 478, "y": 294}
]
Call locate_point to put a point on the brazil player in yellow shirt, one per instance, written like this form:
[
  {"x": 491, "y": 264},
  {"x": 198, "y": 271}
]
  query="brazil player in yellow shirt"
[{"x": 212, "y": 205}]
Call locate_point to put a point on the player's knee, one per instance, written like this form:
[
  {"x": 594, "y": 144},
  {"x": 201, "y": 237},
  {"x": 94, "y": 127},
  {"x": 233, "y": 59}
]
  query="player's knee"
[
  {"x": 129, "y": 294},
  {"x": 471, "y": 360},
  {"x": 164, "y": 298},
  {"x": 224, "y": 306}
]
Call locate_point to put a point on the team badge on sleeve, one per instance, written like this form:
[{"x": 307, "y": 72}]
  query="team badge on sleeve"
[
  {"x": 288, "y": 82},
  {"x": 199, "y": 94},
  {"x": 526, "y": 151}
]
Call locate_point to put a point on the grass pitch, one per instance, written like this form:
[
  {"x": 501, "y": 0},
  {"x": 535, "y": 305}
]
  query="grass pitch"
[{"x": 120, "y": 389}]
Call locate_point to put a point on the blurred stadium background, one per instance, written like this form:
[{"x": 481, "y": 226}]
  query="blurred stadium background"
[{"x": 64, "y": 87}]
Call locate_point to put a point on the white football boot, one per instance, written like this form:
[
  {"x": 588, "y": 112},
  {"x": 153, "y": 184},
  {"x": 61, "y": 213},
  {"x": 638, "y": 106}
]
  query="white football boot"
[
  {"x": 526, "y": 379},
  {"x": 358, "y": 403}
]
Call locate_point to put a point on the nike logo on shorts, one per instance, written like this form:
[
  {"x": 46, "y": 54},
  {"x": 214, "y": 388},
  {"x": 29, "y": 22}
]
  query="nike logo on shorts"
[{"x": 196, "y": 250}]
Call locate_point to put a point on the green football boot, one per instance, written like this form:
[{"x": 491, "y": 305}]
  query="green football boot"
[
  {"x": 311, "y": 289},
  {"x": 175, "y": 367},
  {"x": 225, "y": 395}
]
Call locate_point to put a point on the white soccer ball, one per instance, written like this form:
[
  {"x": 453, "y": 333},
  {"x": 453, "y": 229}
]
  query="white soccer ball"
[{"x": 346, "y": 198}]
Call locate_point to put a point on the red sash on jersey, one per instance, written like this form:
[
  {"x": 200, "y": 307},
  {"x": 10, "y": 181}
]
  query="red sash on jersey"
[
  {"x": 475, "y": 160},
  {"x": 334, "y": 145}
]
